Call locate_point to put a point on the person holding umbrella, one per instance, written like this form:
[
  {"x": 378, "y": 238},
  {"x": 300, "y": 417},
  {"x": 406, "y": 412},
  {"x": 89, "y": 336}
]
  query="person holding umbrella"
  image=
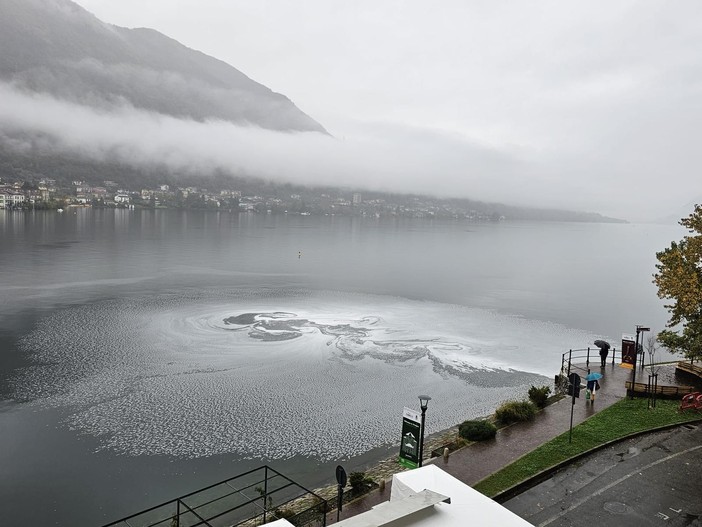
[
  {"x": 592, "y": 385},
  {"x": 604, "y": 350}
]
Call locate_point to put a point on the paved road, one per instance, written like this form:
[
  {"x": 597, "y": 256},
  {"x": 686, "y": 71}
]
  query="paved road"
[{"x": 650, "y": 480}]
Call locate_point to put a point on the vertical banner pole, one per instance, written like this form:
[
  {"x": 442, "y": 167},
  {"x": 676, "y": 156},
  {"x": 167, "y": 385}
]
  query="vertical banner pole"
[
  {"x": 574, "y": 391},
  {"x": 572, "y": 407}
]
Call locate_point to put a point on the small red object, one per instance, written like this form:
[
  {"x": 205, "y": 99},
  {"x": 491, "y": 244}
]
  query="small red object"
[{"x": 691, "y": 401}]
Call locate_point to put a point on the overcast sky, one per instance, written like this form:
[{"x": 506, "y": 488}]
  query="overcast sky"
[{"x": 590, "y": 105}]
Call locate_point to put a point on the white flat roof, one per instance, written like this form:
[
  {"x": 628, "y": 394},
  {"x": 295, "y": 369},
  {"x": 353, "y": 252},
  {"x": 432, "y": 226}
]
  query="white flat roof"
[
  {"x": 465, "y": 502},
  {"x": 281, "y": 523},
  {"x": 420, "y": 498},
  {"x": 396, "y": 512}
]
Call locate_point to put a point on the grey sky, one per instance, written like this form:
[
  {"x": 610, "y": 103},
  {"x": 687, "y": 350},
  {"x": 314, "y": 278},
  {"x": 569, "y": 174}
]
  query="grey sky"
[{"x": 590, "y": 105}]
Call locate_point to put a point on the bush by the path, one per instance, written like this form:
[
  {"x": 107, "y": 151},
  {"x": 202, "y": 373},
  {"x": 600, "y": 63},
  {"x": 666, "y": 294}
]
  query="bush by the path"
[
  {"x": 477, "y": 430},
  {"x": 515, "y": 411},
  {"x": 539, "y": 396}
]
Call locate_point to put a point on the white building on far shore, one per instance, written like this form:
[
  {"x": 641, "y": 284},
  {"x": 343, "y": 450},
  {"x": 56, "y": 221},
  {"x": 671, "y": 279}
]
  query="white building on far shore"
[{"x": 11, "y": 198}]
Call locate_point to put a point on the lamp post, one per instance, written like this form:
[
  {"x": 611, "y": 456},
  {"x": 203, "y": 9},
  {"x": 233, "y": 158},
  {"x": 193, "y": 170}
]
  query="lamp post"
[
  {"x": 423, "y": 404},
  {"x": 639, "y": 329},
  {"x": 653, "y": 373}
]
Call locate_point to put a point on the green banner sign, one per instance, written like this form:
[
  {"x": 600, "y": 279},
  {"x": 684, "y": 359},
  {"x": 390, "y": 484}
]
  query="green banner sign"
[{"x": 409, "y": 444}]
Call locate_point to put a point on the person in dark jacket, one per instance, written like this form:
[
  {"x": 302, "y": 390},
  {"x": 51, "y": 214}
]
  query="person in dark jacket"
[{"x": 603, "y": 355}]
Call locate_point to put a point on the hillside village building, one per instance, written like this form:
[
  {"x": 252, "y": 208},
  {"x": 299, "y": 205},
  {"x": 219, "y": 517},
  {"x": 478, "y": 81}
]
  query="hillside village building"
[{"x": 11, "y": 198}]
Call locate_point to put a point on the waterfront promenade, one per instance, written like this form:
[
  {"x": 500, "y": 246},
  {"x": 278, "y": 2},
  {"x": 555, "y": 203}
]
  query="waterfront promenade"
[{"x": 478, "y": 460}]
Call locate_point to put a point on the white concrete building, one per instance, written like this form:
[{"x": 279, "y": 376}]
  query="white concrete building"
[{"x": 11, "y": 198}]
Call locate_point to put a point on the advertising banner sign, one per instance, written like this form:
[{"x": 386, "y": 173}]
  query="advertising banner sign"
[
  {"x": 409, "y": 444},
  {"x": 628, "y": 352}
]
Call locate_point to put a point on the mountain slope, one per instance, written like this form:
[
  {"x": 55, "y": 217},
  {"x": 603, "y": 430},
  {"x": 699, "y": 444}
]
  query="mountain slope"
[{"x": 57, "y": 47}]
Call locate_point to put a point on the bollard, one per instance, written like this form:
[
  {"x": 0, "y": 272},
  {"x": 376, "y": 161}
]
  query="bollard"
[
  {"x": 381, "y": 485},
  {"x": 446, "y": 453}
]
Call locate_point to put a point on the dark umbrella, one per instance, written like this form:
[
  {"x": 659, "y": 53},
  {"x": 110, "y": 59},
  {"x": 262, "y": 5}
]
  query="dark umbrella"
[{"x": 602, "y": 344}]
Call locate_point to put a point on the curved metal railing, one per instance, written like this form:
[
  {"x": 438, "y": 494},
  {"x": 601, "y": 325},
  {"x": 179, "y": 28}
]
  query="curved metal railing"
[{"x": 574, "y": 358}]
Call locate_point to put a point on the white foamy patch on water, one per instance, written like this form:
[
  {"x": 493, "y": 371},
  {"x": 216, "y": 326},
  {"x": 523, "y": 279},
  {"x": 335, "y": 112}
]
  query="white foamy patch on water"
[{"x": 278, "y": 373}]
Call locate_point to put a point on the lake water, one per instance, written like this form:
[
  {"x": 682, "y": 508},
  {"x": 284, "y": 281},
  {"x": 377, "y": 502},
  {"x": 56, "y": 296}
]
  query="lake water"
[{"x": 144, "y": 354}]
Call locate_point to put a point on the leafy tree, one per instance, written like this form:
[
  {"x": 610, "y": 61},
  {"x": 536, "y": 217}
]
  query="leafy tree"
[{"x": 679, "y": 278}]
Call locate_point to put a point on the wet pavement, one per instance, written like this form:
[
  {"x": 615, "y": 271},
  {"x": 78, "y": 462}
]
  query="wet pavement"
[
  {"x": 648, "y": 480},
  {"x": 478, "y": 460}
]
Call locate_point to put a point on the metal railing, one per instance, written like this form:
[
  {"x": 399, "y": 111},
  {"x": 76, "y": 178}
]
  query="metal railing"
[
  {"x": 252, "y": 498},
  {"x": 577, "y": 355}
]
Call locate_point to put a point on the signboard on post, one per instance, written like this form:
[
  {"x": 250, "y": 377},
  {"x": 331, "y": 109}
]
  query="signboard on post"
[
  {"x": 573, "y": 391},
  {"x": 574, "y": 386},
  {"x": 628, "y": 352},
  {"x": 409, "y": 444}
]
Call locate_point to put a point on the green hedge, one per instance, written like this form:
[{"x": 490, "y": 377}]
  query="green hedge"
[{"x": 477, "y": 430}]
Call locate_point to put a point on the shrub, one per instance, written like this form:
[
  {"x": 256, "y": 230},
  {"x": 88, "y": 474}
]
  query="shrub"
[
  {"x": 539, "y": 396},
  {"x": 282, "y": 513},
  {"x": 359, "y": 481},
  {"x": 515, "y": 411},
  {"x": 477, "y": 430}
]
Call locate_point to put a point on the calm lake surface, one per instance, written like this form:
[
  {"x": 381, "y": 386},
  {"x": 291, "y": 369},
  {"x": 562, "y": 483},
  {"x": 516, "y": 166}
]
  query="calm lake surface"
[{"x": 144, "y": 354}]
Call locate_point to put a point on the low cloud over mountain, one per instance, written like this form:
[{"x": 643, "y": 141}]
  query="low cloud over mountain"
[
  {"x": 72, "y": 86},
  {"x": 387, "y": 159},
  {"x": 71, "y": 83},
  {"x": 58, "y": 48}
]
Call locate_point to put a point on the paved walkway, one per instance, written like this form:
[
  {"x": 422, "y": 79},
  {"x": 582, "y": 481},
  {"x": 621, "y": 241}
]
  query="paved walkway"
[
  {"x": 514, "y": 441},
  {"x": 478, "y": 460}
]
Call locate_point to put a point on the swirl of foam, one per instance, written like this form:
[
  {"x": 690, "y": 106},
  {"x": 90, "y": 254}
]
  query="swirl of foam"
[{"x": 188, "y": 374}]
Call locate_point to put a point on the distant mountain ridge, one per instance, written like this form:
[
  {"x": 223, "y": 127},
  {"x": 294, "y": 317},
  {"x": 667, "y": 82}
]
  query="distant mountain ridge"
[{"x": 59, "y": 48}]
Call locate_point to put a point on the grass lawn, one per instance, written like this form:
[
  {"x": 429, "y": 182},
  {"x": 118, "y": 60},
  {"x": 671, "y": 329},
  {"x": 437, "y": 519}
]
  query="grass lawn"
[{"x": 621, "y": 419}]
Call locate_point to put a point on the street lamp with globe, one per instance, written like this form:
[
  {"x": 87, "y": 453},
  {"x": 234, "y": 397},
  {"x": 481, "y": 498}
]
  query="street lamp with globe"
[{"x": 423, "y": 404}]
